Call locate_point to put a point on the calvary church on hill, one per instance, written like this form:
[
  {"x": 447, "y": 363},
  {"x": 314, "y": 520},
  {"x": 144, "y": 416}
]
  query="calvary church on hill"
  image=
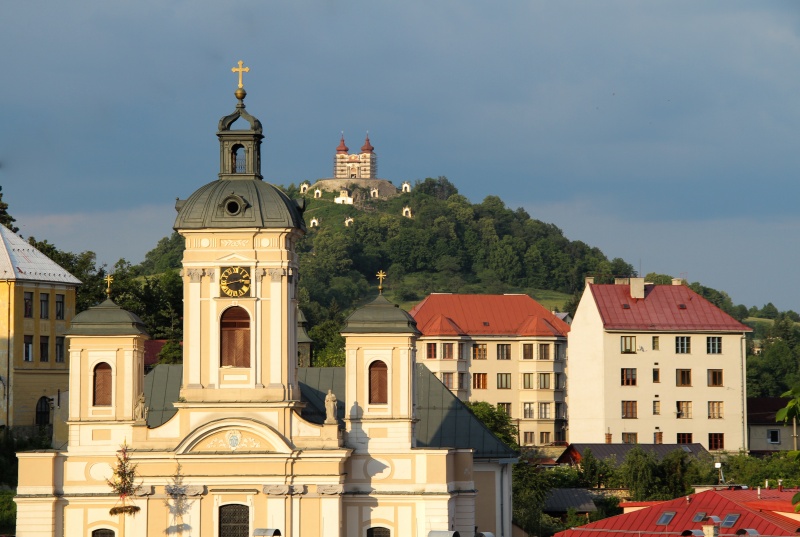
[{"x": 257, "y": 445}]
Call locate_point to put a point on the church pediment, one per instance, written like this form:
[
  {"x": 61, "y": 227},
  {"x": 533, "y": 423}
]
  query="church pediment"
[
  {"x": 235, "y": 257},
  {"x": 234, "y": 436}
]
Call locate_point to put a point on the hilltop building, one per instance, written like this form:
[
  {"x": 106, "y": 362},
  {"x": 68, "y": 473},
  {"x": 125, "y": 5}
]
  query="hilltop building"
[
  {"x": 656, "y": 363},
  {"x": 241, "y": 441},
  {"x": 37, "y": 303},
  {"x": 507, "y": 350}
]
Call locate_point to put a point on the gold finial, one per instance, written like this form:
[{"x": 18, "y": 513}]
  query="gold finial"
[
  {"x": 381, "y": 275},
  {"x": 108, "y": 279},
  {"x": 240, "y": 70}
]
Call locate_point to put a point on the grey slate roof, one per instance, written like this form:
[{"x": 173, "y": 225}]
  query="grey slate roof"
[
  {"x": 21, "y": 261},
  {"x": 562, "y": 500},
  {"x": 106, "y": 319},
  {"x": 162, "y": 386},
  {"x": 380, "y": 316},
  {"x": 617, "y": 452}
]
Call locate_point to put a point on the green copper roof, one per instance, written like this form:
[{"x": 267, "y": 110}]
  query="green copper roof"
[
  {"x": 302, "y": 334},
  {"x": 106, "y": 319},
  {"x": 380, "y": 316}
]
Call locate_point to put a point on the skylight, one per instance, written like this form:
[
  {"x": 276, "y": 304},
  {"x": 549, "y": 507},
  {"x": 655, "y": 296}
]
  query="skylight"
[
  {"x": 730, "y": 520},
  {"x": 699, "y": 517},
  {"x": 665, "y": 518}
]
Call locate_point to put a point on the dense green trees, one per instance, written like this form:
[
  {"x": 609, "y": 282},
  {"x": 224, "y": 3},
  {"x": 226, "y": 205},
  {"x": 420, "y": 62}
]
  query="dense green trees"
[{"x": 5, "y": 218}]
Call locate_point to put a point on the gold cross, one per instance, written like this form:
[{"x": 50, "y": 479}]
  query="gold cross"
[
  {"x": 381, "y": 275},
  {"x": 240, "y": 70},
  {"x": 108, "y": 279}
]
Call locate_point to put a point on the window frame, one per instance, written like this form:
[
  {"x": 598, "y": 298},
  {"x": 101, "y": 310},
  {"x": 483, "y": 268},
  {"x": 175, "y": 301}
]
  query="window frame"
[
  {"x": 27, "y": 348},
  {"x": 527, "y": 351},
  {"x": 656, "y": 375},
  {"x": 447, "y": 379},
  {"x": 683, "y": 410},
  {"x": 547, "y": 378},
  {"x": 656, "y": 408},
  {"x": 44, "y": 349},
  {"x": 479, "y": 351},
  {"x": 448, "y": 352},
  {"x": 504, "y": 381},
  {"x": 770, "y": 440},
  {"x": 378, "y": 388},
  {"x": 44, "y": 305},
  {"x": 655, "y": 343},
  {"x": 544, "y": 410},
  {"x": 716, "y": 410},
  {"x": 505, "y": 408},
  {"x": 544, "y": 438},
  {"x": 627, "y": 376},
  {"x": 713, "y": 344},
  {"x": 60, "y": 350},
  {"x": 528, "y": 382},
  {"x": 628, "y": 436},
  {"x": 627, "y": 344},
  {"x": 713, "y": 381},
  {"x": 504, "y": 351},
  {"x": 683, "y": 344},
  {"x": 479, "y": 381},
  {"x": 684, "y": 438},
  {"x": 102, "y": 393},
  {"x": 27, "y": 301},
  {"x": 529, "y": 410},
  {"x": 543, "y": 351},
  {"x": 630, "y": 410},
  {"x": 430, "y": 351},
  {"x": 683, "y": 378},
  {"x": 59, "y": 307}
]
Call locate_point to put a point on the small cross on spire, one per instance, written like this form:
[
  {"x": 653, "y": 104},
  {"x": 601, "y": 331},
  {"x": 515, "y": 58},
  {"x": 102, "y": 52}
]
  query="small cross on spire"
[
  {"x": 381, "y": 275},
  {"x": 108, "y": 279},
  {"x": 241, "y": 70}
]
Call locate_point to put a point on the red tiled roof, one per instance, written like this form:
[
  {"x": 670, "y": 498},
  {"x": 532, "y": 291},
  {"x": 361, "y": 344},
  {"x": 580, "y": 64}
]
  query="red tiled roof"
[
  {"x": 664, "y": 307},
  {"x": 510, "y": 315},
  {"x": 342, "y": 149},
  {"x": 754, "y": 513}
]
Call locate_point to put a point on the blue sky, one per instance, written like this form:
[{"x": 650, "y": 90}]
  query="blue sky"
[{"x": 664, "y": 133}]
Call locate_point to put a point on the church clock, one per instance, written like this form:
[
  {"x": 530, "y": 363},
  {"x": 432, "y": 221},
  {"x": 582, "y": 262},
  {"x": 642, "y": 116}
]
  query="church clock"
[{"x": 234, "y": 282}]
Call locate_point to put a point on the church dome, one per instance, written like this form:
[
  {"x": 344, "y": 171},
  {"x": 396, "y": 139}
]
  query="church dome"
[
  {"x": 380, "y": 316},
  {"x": 367, "y": 147},
  {"x": 106, "y": 319},
  {"x": 342, "y": 149}
]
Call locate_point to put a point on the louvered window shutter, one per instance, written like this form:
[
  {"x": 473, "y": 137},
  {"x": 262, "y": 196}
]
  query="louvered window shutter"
[
  {"x": 378, "y": 392},
  {"x": 102, "y": 385}
]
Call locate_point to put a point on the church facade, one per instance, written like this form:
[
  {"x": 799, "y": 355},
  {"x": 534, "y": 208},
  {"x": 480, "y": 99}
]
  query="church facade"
[{"x": 254, "y": 444}]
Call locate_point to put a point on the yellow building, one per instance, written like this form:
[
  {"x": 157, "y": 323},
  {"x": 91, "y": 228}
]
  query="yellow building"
[
  {"x": 253, "y": 444},
  {"x": 37, "y": 302}
]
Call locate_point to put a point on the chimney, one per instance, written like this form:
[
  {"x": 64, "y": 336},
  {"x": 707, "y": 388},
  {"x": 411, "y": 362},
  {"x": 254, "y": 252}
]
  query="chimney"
[
  {"x": 677, "y": 281},
  {"x": 710, "y": 530},
  {"x": 608, "y": 438},
  {"x": 622, "y": 281},
  {"x": 637, "y": 287}
]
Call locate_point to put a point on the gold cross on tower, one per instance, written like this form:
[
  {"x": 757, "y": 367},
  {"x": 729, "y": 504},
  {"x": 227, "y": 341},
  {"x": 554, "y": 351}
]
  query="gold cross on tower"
[
  {"x": 108, "y": 279},
  {"x": 240, "y": 70},
  {"x": 381, "y": 275}
]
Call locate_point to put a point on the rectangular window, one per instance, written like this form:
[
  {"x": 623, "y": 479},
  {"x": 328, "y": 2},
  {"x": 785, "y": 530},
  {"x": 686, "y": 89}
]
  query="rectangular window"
[
  {"x": 28, "y": 349},
  {"x": 527, "y": 351},
  {"x": 774, "y": 436},
  {"x": 544, "y": 351},
  {"x": 628, "y": 376},
  {"x": 629, "y": 410},
  {"x": 683, "y": 377},
  {"x": 655, "y": 343},
  {"x": 44, "y": 305},
  {"x": 715, "y": 377},
  {"x": 479, "y": 381},
  {"x": 447, "y": 380},
  {"x": 683, "y": 345},
  {"x": 630, "y": 438},
  {"x": 557, "y": 352},
  {"x": 665, "y": 518},
  {"x": 527, "y": 381},
  {"x": 462, "y": 381},
  {"x": 479, "y": 351},
  {"x": 44, "y": 348},
  {"x": 656, "y": 375},
  {"x": 503, "y": 351},
  {"x": 561, "y": 382},
  {"x": 28, "y": 298},
  {"x": 431, "y": 351},
  {"x": 447, "y": 351},
  {"x": 60, "y": 307},
  {"x": 462, "y": 351},
  {"x": 627, "y": 344},
  {"x": 528, "y": 410},
  {"x": 684, "y": 438},
  {"x": 529, "y": 438},
  {"x": 714, "y": 345},
  {"x": 683, "y": 409},
  {"x": 656, "y": 408},
  {"x": 59, "y": 350},
  {"x": 544, "y": 381},
  {"x": 730, "y": 519},
  {"x": 504, "y": 381},
  {"x": 560, "y": 411},
  {"x": 658, "y": 437},
  {"x": 715, "y": 410},
  {"x": 544, "y": 411},
  {"x": 505, "y": 408},
  {"x": 716, "y": 440},
  {"x": 544, "y": 438}
]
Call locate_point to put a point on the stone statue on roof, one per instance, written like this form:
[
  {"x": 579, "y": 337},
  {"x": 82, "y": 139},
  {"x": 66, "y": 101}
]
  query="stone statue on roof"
[{"x": 330, "y": 408}]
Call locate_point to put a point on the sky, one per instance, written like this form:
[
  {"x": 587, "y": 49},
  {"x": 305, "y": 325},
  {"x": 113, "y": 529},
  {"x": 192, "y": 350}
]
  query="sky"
[{"x": 664, "y": 133}]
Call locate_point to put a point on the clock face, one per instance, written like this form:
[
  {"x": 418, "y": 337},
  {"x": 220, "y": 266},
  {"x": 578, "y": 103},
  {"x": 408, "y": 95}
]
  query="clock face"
[{"x": 234, "y": 282}]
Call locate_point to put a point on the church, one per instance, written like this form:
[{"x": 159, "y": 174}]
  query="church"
[{"x": 252, "y": 443}]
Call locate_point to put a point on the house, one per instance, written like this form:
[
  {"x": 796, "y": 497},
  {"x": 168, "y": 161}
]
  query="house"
[
  {"x": 238, "y": 440},
  {"x": 710, "y": 513},
  {"x": 615, "y": 453},
  {"x": 765, "y": 435},
  {"x": 656, "y": 363},
  {"x": 507, "y": 350}
]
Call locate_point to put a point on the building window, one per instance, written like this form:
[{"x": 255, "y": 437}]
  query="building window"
[
  {"x": 716, "y": 441},
  {"x": 544, "y": 381},
  {"x": 528, "y": 410},
  {"x": 503, "y": 351},
  {"x": 560, "y": 411},
  {"x": 44, "y": 348},
  {"x": 627, "y": 344},
  {"x": 447, "y": 351},
  {"x": 234, "y": 520},
  {"x": 628, "y": 376},
  {"x": 658, "y": 437},
  {"x": 655, "y": 343},
  {"x": 44, "y": 305},
  {"x": 527, "y": 351},
  {"x": 656, "y": 375},
  {"x": 462, "y": 381},
  {"x": 431, "y": 354},
  {"x": 505, "y": 408},
  {"x": 683, "y": 409},
  {"x": 447, "y": 380},
  {"x": 730, "y": 519},
  {"x": 235, "y": 338},
  {"x": 629, "y": 409},
  {"x": 102, "y": 385},
  {"x": 59, "y": 350},
  {"x": 561, "y": 382},
  {"x": 504, "y": 381},
  {"x": 60, "y": 307},
  {"x": 103, "y": 533},
  {"x": 479, "y": 381},
  {"x": 544, "y": 438},
  {"x": 656, "y": 408},
  {"x": 773, "y": 436},
  {"x": 683, "y": 345},
  {"x": 714, "y": 345},
  {"x": 462, "y": 351},
  {"x": 684, "y": 438},
  {"x": 378, "y": 532},
  {"x": 715, "y": 410},
  {"x": 665, "y": 518},
  {"x": 527, "y": 381},
  {"x": 43, "y": 411},
  {"x": 715, "y": 377},
  {"x": 479, "y": 351},
  {"x": 529, "y": 438},
  {"x": 378, "y": 383},
  {"x": 561, "y": 436},
  {"x": 630, "y": 438},
  {"x": 28, "y": 298},
  {"x": 544, "y": 351},
  {"x": 683, "y": 377},
  {"x": 27, "y": 349},
  {"x": 544, "y": 411}
]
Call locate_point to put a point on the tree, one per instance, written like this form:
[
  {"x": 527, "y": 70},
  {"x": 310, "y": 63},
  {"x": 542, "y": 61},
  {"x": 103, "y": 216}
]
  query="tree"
[
  {"x": 639, "y": 471},
  {"x": 497, "y": 421},
  {"x": 5, "y": 218},
  {"x": 791, "y": 411},
  {"x": 123, "y": 483}
]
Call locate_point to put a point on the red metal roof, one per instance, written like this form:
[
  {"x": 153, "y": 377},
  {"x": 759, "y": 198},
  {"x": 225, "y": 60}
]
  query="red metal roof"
[
  {"x": 367, "y": 147},
  {"x": 342, "y": 149},
  {"x": 754, "y": 513},
  {"x": 508, "y": 315},
  {"x": 664, "y": 307}
]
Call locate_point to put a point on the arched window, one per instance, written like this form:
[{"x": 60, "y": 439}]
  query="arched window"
[
  {"x": 102, "y": 385},
  {"x": 379, "y": 532},
  {"x": 103, "y": 533},
  {"x": 234, "y": 338},
  {"x": 234, "y": 521},
  {"x": 238, "y": 159},
  {"x": 378, "y": 374},
  {"x": 43, "y": 411}
]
